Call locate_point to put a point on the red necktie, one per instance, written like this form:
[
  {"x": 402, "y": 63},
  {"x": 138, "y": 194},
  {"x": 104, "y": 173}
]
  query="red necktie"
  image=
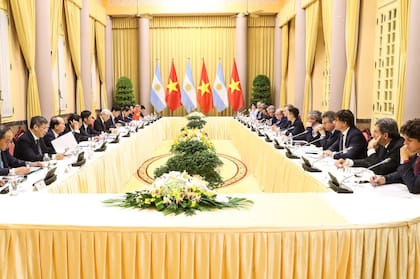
[{"x": 417, "y": 166}]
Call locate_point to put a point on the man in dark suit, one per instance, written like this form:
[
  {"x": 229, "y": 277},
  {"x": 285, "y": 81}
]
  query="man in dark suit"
[
  {"x": 87, "y": 124},
  {"x": 101, "y": 121},
  {"x": 57, "y": 127},
  {"x": 115, "y": 117},
  {"x": 9, "y": 165},
  {"x": 386, "y": 143},
  {"x": 330, "y": 136},
  {"x": 30, "y": 146},
  {"x": 352, "y": 143},
  {"x": 409, "y": 170}
]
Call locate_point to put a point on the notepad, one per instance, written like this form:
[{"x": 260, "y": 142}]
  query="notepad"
[{"x": 64, "y": 142}]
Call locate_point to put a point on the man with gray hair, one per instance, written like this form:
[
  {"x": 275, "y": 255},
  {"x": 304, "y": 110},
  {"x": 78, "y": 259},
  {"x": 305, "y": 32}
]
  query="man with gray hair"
[
  {"x": 386, "y": 143},
  {"x": 101, "y": 121}
]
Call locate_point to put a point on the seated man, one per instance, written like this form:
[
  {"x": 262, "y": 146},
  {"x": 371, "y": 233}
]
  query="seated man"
[
  {"x": 386, "y": 143},
  {"x": 115, "y": 117},
  {"x": 10, "y": 165},
  {"x": 313, "y": 125},
  {"x": 280, "y": 121},
  {"x": 101, "y": 121},
  {"x": 30, "y": 146},
  {"x": 73, "y": 125},
  {"x": 352, "y": 142},
  {"x": 86, "y": 129},
  {"x": 330, "y": 136},
  {"x": 57, "y": 127},
  {"x": 409, "y": 170}
]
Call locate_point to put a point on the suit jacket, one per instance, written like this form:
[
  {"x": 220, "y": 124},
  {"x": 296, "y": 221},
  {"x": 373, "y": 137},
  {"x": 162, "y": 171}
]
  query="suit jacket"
[
  {"x": 89, "y": 131},
  {"x": 9, "y": 162},
  {"x": 282, "y": 123},
  {"x": 49, "y": 136},
  {"x": 297, "y": 128},
  {"x": 405, "y": 174},
  {"x": 356, "y": 141},
  {"x": 331, "y": 140},
  {"x": 110, "y": 123},
  {"x": 26, "y": 148},
  {"x": 392, "y": 151},
  {"x": 78, "y": 136},
  {"x": 99, "y": 126}
]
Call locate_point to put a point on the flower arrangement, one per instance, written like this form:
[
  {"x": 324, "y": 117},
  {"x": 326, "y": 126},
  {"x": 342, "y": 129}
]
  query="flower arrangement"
[
  {"x": 176, "y": 193},
  {"x": 192, "y": 134},
  {"x": 195, "y": 120}
]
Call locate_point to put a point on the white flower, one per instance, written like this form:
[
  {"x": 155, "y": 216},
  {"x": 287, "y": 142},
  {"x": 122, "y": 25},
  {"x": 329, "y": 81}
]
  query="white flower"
[{"x": 222, "y": 199}]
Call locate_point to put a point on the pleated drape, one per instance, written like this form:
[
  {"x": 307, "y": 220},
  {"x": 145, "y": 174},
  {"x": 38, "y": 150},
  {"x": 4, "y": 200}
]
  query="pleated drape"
[
  {"x": 403, "y": 9},
  {"x": 93, "y": 93},
  {"x": 284, "y": 63},
  {"x": 24, "y": 18},
  {"x": 326, "y": 11},
  {"x": 100, "y": 53},
  {"x": 260, "y": 50},
  {"x": 125, "y": 50},
  {"x": 4, "y": 5},
  {"x": 352, "y": 26},
  {"x": 56, "y": 9},
  {"x": 180, "y": 38},
  {"x": 312, "y": 19},
  {"x": 72, "y": 12}
]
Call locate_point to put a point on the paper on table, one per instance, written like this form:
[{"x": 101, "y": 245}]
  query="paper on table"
[{"x": 64, "y": 142}]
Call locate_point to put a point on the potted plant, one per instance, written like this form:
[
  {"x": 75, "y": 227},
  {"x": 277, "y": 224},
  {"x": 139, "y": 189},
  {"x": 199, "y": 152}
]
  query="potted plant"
[
  {"x": 261, "y": 91},
  {"x": 124, "y": 95}
]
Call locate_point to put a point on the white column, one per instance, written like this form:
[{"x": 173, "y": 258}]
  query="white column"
[
  {"x": 300, "y": 67},
  {"x": 412, "y": 96},
  {"x": 109, "y": 63},
  {"x": 241, "y": 51},
  {"x": 43, "y": 57},
  {"x": 338, "y": 53},
  {"x": 144, "y": 63},
  {"x": 85, "y": 54},
  {"x": 277, "y": 62}
]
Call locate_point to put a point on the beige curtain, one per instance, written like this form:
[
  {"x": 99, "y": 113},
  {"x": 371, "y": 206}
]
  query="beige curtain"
[
  {"x": 92, "y": 58},
  {"x": 180, "y": 38},
  {"x": 260, "y": 50},
  {"x": 100, "y": 52},
  {"x": 403, "y": 30},
  {"x": 352, "y": 24},
  {"x": 125, "y": 50},
  {"x": 56, "y": 9},
  {"x": 326, "y": 11},
  {"x": 312, "y": 18},
  {"x": 24, "y": 18},
  {"x": 284, "y": 64},
  {"x": 72, "y": 12}
]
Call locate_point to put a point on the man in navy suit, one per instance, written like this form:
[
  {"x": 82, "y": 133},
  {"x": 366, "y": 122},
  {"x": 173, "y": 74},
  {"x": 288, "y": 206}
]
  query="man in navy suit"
[
  {"x": 409, "y": 170},
  {"x": 57, "y": 127},
  {"x": 9, "y": 165},
  {"x": 86, "y": 129},
  {"x": 101, "y": 122},
  {"x": 386, "y": 143},
  {"x": 330, "y": 136},
  {"x": 30, "y": 145},
  {"x": 352, "y": 143},
  {"x": 295, "y": 125}
]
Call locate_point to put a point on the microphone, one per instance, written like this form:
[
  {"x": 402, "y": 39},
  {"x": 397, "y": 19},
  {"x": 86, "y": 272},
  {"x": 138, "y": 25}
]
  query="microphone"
[
  {"x": 322, "y": 158},
  {"x": 306, "y": 131},
  {"x": 287, "y": 129},
  {"x": 387, "y": 160},
  {"x": 309, "y": 143}
]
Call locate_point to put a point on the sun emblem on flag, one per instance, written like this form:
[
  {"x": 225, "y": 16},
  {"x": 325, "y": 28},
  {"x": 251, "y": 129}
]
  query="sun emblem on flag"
[
  {"x": 157, "y": 87},
  {"x": 218, "y": 86},
  {"x": 188, "y": 87}
]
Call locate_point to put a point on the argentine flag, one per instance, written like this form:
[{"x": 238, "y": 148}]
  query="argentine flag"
[
  {"x": 157, "y": 92},
  {"x": 188, "y": 93},
  {"x": 220, "y": 99}
]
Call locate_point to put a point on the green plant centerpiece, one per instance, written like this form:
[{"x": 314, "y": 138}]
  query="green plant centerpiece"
[
  {"x": 194, "y": 153},
  {"x": 176, "y": 193},
  {"x": 124, "y": 95},
  {"x": 261, "y": 91}
]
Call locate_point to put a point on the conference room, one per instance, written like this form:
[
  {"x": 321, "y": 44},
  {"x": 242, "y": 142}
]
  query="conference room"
[{"x": 184, "y": 139}]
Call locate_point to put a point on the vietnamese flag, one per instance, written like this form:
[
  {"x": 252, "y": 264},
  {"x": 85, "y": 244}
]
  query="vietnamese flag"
[
  {"x": 173, "y": 91},
  {"x": 235, "y": 96},
  {"x": 204, "y": 95}
]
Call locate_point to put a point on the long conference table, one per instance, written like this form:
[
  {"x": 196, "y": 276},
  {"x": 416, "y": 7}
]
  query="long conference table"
[{"x": 297, "y": 228}]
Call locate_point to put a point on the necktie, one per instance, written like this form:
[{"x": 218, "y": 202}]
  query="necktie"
[
  {"x": 1, "y": 162},
  {"x": 38, "y": 146},
  {"x": 417, "y": 166},
  {"x": 343, "y": 142}
]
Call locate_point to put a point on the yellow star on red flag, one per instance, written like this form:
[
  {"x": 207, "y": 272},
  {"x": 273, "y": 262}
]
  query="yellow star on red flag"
[
  {"x": 234, "y": 86},
  {"x": 204, "y": 87},
  {"x": 172, "y": 86}
]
